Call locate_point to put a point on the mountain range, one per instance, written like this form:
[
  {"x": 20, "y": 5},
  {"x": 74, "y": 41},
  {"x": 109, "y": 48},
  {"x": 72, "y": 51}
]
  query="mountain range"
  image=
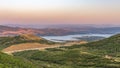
[{"x": 60, "y": 31}]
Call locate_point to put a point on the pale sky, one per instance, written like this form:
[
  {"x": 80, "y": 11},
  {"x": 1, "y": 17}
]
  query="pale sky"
[{"x": 60, "y": 11}]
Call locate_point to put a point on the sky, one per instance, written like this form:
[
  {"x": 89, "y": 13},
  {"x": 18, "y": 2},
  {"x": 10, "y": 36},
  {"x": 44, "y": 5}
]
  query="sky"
[{"x": 60, "y": 12}]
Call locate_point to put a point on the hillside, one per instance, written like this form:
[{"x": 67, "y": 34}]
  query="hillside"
[
  {"x": 109, "y": 46},
  {"x": 7, "y": 61},
  {"x": 100, "y": 54},
  {"x": 23, "y": 38}
]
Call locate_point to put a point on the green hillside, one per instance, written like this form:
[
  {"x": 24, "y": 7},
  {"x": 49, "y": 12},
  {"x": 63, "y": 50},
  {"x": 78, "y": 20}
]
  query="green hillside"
[
  {"x": 109, "y": 46},
  {"x": 100, "y": 54},
  {"x": 26, "y": 38},
  {"x": 7, "y": 61}
]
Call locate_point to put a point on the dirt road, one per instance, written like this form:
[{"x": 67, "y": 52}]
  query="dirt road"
[{"x": 33, "y": 46}]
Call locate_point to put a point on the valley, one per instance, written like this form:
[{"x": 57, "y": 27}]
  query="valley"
[
  {"x": 43, "y": 53},
  {"x": 77, "y": 37},
  {"x": 99, "y": 54},
  {"x": 69, "y": 51},
  {"x": 30, "y": 42}
]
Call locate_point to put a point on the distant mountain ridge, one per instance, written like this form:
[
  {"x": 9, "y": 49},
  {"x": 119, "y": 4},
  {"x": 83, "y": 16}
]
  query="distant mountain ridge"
[{"x": 11, "y": 31}]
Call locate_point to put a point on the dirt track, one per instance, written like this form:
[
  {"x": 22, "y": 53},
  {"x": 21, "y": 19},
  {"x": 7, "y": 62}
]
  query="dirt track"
[{"x": 33, "y": 46}]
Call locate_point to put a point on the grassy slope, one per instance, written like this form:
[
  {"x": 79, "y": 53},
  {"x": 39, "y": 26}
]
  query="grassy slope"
[
  {"x": 91, "y": 55},
  {"x": 7, "y": 61},
  {"x": 8, "y": 41},
  {"x": 110, "y": 46}
]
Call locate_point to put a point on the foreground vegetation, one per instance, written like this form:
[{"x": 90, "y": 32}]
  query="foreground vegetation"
[
  {"x": 100, "y": 54},
  {"x": 7, "y": 61}
]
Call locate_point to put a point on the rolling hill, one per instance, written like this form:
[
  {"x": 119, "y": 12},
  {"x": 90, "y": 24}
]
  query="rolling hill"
[
  {"x": 100, "y": 54},
  {"x": 9, "y": 61},
  {"x": 25, "y": 42},
  {"x": 23, "y": 38}
]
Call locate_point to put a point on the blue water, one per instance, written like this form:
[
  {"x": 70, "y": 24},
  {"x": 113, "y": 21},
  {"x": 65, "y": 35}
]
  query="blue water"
[{"x": 71, "y": 37}]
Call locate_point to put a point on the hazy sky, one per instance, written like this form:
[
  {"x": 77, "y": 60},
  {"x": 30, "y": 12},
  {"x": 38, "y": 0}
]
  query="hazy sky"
[{"x": 60, "y": 12}]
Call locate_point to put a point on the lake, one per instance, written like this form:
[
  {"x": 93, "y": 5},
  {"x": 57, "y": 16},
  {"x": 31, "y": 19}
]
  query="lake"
[{"x": 72, "y": 37}]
